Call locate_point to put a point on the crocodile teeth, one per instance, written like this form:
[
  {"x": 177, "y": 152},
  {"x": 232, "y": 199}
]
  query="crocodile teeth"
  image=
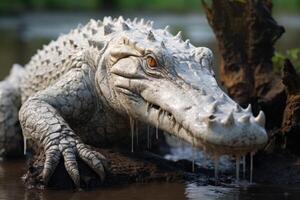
[
  {"x": 134, "y": 20},
  {"x": 142, "y": 21},
  {"x": 223, "y": 96},
  {"x": 245, "y": 119},
  {"x": 229, "y": 120},
  {"x": 107, "y": 19},
  {"x": 249, "y": 108},
  {"x": 121, "y": 19},
  {"x": 261, "y": 119}
]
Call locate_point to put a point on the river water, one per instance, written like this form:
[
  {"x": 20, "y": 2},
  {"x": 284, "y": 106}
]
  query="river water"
[{"x": 21, "y": 36}]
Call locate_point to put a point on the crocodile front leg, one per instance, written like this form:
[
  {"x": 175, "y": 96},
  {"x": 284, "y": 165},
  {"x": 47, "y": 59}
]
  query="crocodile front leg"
[{"x": 44, "y": 118}]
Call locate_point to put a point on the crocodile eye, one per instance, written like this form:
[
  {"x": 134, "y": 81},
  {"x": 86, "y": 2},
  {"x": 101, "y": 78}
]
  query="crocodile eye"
[{"x": 151, "y": 62}]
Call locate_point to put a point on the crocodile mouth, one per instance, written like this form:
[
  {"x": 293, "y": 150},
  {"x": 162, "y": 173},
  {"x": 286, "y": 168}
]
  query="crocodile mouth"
[{"x": 166, "y": 121}]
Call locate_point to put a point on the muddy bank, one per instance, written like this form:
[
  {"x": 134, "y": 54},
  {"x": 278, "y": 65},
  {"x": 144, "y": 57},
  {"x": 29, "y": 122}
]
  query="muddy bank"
[
  {"x": 125, "y": 168},
  {"x": 144, "y": 167}
]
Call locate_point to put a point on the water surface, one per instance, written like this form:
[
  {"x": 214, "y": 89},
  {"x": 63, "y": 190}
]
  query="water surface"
[{"x": 11, "y": 188}]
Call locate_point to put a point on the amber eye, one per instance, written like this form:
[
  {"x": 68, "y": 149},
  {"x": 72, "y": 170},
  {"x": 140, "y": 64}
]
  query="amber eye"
[{"x": 151, "y": 62}]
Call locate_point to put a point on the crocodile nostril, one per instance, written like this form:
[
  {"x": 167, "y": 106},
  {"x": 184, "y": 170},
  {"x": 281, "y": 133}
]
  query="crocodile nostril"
[
  {"x": 187, "y": 108},
  {"x": 211, "y": 117}
]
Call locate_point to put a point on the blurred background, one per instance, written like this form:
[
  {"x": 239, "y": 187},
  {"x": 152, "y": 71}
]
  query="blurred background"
[{"x": 25, "y": 25}]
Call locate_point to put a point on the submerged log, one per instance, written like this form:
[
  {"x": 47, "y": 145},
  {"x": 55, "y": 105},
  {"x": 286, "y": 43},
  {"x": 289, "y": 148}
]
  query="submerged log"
[
  {"x": 246, "y": 33},
  {"x": 124, "y": 168}
]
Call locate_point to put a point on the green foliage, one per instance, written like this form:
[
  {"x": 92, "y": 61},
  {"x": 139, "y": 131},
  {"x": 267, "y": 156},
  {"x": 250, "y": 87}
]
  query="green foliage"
[
  {"x": 7, "y": 6},
  {"x": 286, "y": 5},
  {"x": 292, "y": 54},
  {"x": 157, "y": 5}
]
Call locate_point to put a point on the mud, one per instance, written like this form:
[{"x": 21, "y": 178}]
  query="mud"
[{"x": 124, "y": 168}]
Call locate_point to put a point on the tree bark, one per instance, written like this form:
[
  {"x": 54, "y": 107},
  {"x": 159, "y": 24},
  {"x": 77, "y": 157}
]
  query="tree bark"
[
  {"x": 291, "y": 118},
  {"x": 246, "y": 33}
]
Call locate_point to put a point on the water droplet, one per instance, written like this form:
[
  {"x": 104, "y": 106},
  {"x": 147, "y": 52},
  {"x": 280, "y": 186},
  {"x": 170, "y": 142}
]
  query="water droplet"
[
  {"x": 25, "y": 144},
  {"x": 156, "y": 131},
  {"x": 193, "y": 161},
  {"x": 147, "y": 108},
  {"x": 193, "y": 165},
  {"x": 237, "y": 168},
  {"x": 244, "y": 167},
  {"x": 216, "y": 163},
  {"x": 251, "y": 166}
]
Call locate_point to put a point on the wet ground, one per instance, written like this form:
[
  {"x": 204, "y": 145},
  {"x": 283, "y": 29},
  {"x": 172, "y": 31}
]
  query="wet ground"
[{"x": 21, "y": 35}]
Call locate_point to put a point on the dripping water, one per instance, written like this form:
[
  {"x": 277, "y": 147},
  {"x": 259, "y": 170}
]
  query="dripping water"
[
  {"x": 237, "y": 168},
  {"x": 251, "y": 166},
  {"x": 132, "y": 132},
  {"x": 25, "y": 144},
  {"x": 244, "y": 167},
  {"x": 216, "y": 163},
  {"x": 193, "y": 165},
  {"x": 193, "y": 162},
  {"x": 158, "y": 118},
  {"x": 156, "y": 131}
]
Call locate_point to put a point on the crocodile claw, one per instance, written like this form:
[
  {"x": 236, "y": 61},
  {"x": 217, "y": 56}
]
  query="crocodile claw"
[
  {"x": 94, "y": 159},
  {"x": 69, "y": 150}
]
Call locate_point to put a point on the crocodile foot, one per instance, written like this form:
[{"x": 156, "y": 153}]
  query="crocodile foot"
[{"x": 69, "y": 149}]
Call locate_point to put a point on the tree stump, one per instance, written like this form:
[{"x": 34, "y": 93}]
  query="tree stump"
[
  {"x": 291, "y": 118},
  {"x": 246, "y": 33}
]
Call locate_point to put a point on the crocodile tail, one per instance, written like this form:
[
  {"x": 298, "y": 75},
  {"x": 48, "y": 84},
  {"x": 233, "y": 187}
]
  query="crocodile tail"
[
  {"x": 15, "y": 75},
  {"x": 11, "y": 138}
]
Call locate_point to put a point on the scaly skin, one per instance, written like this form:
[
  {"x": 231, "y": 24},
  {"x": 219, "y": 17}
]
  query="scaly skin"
[{"x": 84, "y": 87}]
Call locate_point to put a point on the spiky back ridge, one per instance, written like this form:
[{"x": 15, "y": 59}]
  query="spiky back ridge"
[{"x": 59, "y": 56}]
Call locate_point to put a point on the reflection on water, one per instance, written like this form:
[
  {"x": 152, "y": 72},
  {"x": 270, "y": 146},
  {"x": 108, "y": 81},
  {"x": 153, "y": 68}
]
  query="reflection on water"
[
  {"x": 255, "y": 192},
  {"x": 19, "y": 39},
  {"x": 11, "y": 187}
]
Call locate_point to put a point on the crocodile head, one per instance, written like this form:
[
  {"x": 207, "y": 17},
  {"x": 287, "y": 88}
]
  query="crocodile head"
[{"x": 158, "y": 79}]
